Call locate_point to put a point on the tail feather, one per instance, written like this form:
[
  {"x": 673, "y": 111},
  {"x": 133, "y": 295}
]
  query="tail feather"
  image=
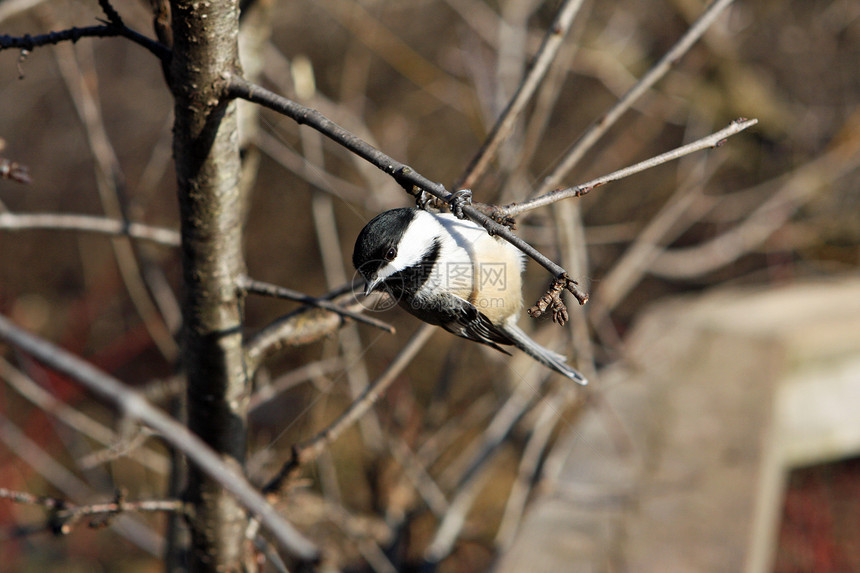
[{"x": 545, "y": 356}]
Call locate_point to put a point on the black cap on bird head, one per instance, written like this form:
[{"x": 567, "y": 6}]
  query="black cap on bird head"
[{"x": 377, "y": 242}]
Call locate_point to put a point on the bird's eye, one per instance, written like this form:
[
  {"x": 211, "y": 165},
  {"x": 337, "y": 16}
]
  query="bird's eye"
[{"x": 392, "y": 252}]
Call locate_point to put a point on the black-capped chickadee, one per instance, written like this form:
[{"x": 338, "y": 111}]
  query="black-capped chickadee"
[{"x": 450, "y": 272}]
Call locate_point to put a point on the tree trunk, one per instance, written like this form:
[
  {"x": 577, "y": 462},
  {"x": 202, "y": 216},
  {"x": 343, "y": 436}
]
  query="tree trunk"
[{"x": 206, "y": 152}]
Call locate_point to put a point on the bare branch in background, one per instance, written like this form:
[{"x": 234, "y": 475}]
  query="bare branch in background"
[
  {"x": 71, "y": 485},
  {"x": 297, "y": 164},
  {"x": 64, "y": 515},
  {"x": 711, "y": 141},
  {"x": 686, "y": 205},
  {"x": 310, "y": 449},
  {"x": 599, "y": 128},
  {"x": 136, "y": 407},
  {"x": 88, "y": 224},
  {"x": 549, "y": 414},
  {"x": 397, "y": 53},
  {"x": 267, "y": 392},
  {"x": 72, "y": 417},
  {"x": 110, "y": 183},
  {"x": 416, "y": 471},
  {"x": 474, "y": 470},
  {"x": 301, "y": 327},
  {"x": 546, "y": 54},
  {"x": 798, "y": 188}
]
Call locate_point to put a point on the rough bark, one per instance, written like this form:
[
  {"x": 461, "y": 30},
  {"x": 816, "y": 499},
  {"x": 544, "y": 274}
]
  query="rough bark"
[{"x": 208, "y": 167}]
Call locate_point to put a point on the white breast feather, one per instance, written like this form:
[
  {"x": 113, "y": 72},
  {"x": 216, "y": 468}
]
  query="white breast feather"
[{"x": 482, "y": 269}]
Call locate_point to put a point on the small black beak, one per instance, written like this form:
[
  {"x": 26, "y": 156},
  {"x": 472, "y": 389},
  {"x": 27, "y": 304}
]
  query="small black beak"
[{"x": 371, "y": 285}]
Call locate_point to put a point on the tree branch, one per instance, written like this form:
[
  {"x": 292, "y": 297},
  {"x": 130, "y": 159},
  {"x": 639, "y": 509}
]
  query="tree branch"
[
  {"x": 546, "y": 54},
  {"x": 602, "y": 124},
  {"x": 111, "y": 13},
  {"x": 88, "y": 224},
  {"x": 73, "y": 418},
  {"x": 136, "y": 407},
  {"x": 65, "y": 514},
  {"x": 470, "y": 481},
  {"x": 298, "y": 328},
  {"x": 265, "y": 393},
  {"x": 714, "y": 140},
  {"x": 311, "y": 449},
  {"x": 798, "y": 187},
  {"x": 254, "y": 286},
  {"x": 110, "y": 30}
]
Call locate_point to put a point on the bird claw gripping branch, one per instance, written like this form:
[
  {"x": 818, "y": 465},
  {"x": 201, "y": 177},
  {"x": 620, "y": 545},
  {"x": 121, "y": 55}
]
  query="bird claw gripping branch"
[{"x": 458, "y": 200}]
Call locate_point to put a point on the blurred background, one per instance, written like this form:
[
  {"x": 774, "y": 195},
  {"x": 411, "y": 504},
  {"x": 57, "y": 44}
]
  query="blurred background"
[{"x": 423, "y": 81}]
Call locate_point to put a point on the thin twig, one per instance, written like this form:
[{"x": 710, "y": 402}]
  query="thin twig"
[
  {"x": 30, "y": 43},
  {"x": 572, "y": 243},
  {"x": 548, "y": 417},
  {"x": 64, "y": 514},
  {"x": 475, "y": 472},
  {"x": 546, "y": 102},
  {"x": 110, "y": 183},
  {"x": 136, "y": 407},
  {"x": 504, "y": 124},
  {"x": 389, "y": 47},
  {"x": 69, "y": 484},
  {"x": 465, "y": 423},
  {"x": 88, "y": 224},
  {"x": 602, "y": 124},
  {"x": 662, "y": 228},
  {"x": 254, "y": 286},
  {"x": 326, "y": 229},
  {"x": 14, "y": 171},
  {"x": 44, "y": 464},
  {"x": 799, "y": 187},
  {"x": 273, "y": 559},
  {"x": 480, "y": 18},
  {"x": 714, "y": 140},
  {"x": 111, "y": 13},
  {"x": 162, "y": 390},
  {"x": 265, "y": 394},
  {"x": 302, "y": 326},
  {"x": 124, "y": 448},
  {"x": 73, "y": 418},
  {"x": 415, "y": 470},
  {"x": 311, "y": 449},
  {"x": 298, "y": 328},
  {"x": 278, "y": 71},
  {"x": 367, "y": 532},
  {"x": 301, "y": 167}
]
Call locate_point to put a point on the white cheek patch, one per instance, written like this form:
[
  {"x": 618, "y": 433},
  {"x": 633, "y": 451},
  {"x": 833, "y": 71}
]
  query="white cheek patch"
[{"x": 417, "y": 239}]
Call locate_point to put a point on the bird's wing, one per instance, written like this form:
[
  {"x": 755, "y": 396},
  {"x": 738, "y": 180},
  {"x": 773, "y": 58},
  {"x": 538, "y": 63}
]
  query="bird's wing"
[{"x": 462, "y": 318}]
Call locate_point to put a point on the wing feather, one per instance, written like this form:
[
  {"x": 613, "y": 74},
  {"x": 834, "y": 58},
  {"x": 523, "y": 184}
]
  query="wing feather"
[{"x": 459, "y": 316}]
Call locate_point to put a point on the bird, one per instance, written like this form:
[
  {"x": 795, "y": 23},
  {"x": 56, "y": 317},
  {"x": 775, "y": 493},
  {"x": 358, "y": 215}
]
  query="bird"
[{"x": 451, "y": 273}]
